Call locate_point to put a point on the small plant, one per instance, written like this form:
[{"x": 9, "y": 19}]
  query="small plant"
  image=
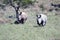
[{"x": 42, "y": 7}]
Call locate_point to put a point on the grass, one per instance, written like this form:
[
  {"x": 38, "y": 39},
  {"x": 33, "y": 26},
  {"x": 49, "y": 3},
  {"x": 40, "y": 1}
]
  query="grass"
[{"x": 29, "y": 31}]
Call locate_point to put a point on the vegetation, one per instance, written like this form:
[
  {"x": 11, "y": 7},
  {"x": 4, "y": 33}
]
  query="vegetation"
[
  {"x": 21, "y": 2},
  {"x": 29, "y": 30}
]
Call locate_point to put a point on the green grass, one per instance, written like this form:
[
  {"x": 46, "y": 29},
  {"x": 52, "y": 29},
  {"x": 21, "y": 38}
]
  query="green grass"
[{"x": 29, "y": 31}]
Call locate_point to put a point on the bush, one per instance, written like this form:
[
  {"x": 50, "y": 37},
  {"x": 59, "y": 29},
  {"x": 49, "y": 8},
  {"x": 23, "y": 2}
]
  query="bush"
[
  {"x": 25, "y": 2},
  {"x": 22, "y": 2},
  {"x": 5, "y": 2}
]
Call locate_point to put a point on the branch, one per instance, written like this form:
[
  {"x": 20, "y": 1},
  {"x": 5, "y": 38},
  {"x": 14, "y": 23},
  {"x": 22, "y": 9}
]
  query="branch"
[
  {"x": 18, "y": 6},
  {"x": 10, "y": 1}
]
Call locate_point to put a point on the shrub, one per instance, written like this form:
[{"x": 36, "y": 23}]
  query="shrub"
[{"x": 22, "y": 2}]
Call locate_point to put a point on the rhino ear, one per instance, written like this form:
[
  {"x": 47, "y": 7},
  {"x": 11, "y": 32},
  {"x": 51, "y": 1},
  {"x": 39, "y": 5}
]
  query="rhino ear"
[{"x": 40, "y": 15}]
